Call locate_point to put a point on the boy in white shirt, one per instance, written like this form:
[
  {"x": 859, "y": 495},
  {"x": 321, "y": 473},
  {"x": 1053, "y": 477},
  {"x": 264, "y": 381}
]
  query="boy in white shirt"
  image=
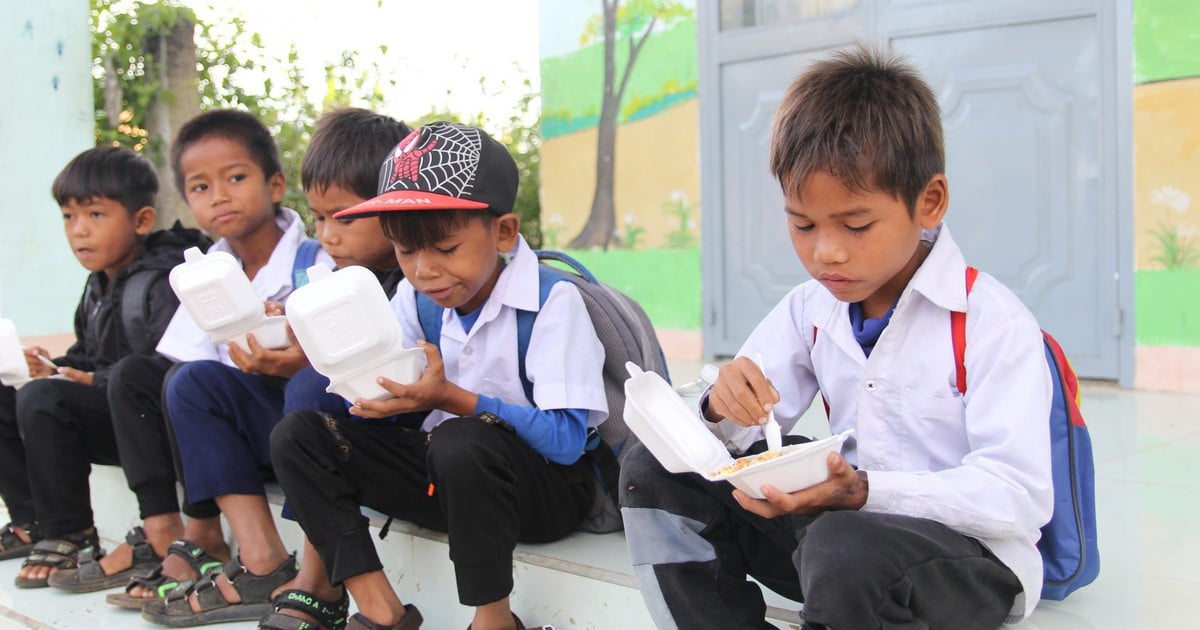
[
  {"x": 462, "y": 450},
  {"x": 930, "y": 516}
]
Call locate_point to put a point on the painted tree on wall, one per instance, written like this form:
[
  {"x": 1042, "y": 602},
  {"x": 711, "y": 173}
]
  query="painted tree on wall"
[{"x": 630, "y": 25}]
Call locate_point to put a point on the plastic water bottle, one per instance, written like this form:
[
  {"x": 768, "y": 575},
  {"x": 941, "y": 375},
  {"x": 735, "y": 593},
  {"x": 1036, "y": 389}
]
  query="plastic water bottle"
[{"x": 693, "y": 389}]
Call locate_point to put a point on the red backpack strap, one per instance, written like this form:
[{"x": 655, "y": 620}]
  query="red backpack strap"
[{"x": 958, "y": 336}]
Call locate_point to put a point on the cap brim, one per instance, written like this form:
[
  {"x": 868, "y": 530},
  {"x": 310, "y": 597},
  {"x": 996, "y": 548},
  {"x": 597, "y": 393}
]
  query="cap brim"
[{"x": 403, "y": 200}]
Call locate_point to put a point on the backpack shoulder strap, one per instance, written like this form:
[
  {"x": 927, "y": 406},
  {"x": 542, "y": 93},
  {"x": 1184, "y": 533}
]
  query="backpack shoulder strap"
[
  {"x": 547, "y": 277},
  {"x": 429, "y": 316},
  {"x": 306, "y": 255},
  {"x": 958, "y": 335},
  {"x": 135, "y": 307}
]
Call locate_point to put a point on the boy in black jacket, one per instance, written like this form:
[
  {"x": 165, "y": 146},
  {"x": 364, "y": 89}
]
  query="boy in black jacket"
[{"x": 56, "y": 426}]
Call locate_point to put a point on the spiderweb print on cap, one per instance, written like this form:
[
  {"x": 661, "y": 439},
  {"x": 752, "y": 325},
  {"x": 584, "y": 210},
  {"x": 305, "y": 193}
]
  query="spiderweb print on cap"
[{"x": 445, "y": 164}]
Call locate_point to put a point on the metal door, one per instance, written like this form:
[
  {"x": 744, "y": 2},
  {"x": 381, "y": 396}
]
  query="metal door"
[{"x": 1033, "y": 157}]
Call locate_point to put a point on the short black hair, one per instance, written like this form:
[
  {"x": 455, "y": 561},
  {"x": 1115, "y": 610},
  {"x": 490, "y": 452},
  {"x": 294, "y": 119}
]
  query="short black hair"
[
  {"x": 866, "y": 117},
  {"x": 346, "y": 149},
  {"x": 113, "y": 172},
  {"x": 230, "y": 124},
  {"x": 419, "y": 229}
]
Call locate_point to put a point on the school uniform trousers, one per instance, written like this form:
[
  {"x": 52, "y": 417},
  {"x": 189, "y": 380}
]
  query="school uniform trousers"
[
  {"x": 14, "y": 480},
  {"x": 222, "y": 419},
  {"x": 145, "y": 440},
  {"x": 62, "y": 428},
  {"x": 470, "y": 477},
  {"x": 852, "y": 569}
]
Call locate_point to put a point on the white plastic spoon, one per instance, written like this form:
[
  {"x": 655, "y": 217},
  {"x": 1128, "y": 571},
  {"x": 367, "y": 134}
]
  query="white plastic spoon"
[{"x": 772, "y": 429}]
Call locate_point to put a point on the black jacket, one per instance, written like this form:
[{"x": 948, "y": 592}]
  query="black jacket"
[{"x": 100, "y": 337}]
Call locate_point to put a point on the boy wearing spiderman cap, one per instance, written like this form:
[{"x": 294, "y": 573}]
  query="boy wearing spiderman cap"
[{"x": 470, "y": 454}]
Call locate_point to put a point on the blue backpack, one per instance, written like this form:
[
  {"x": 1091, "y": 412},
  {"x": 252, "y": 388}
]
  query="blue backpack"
[
  {"x": 627, "y": 335},
  {"x": 306, "y": 255},
  {"x": 1070, "y": 554}
]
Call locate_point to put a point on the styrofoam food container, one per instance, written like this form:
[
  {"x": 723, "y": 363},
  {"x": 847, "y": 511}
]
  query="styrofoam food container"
[
  {"x": 13, "y": 367},
  {"x": 404, "y": 368},
  {"x": 800, "y": 466},
  {"x": 217, "y": 294},
  {"x": 668, "y": 426},
  {"x": 681, "y": 442},
  {"x": 344, "y": 322},
  {"x": 271, "y": 334}
]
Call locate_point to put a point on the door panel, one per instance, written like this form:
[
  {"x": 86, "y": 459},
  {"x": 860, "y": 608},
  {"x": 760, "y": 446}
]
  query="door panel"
[
  {"x": 1020, "y": 85},
  {"x": 1021, "y": 114}
]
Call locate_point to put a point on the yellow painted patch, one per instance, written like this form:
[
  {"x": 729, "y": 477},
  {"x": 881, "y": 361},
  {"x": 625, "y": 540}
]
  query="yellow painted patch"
[
  {"x": 658, "y": 158},
  {"x": 1166, "y": 164}
]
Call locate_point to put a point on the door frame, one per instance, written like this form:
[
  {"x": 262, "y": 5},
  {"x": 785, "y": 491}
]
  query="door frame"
[{"x": 1115, "y": 22}]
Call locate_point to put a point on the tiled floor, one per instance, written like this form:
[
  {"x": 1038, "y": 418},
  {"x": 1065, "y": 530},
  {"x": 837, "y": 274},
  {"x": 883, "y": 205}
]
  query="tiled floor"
[{"x": 1147, "y": 450}]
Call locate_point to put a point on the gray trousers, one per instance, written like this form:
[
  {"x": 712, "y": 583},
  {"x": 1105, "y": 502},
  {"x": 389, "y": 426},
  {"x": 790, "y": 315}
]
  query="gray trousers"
[{"x": 692, "y": 548}]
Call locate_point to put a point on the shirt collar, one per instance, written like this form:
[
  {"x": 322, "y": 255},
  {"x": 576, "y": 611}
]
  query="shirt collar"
[
  {"x": 942, "y": 277},
  {"x": 276, "y": 275}
]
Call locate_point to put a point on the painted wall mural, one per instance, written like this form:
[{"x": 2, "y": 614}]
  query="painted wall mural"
[
  {"x": 620, "y": 148},
  {"x": 1166, "y": 129}
]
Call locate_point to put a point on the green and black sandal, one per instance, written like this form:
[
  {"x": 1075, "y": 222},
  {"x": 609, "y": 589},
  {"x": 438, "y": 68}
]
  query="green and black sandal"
[
  {"x": 90, "y": 576},
  {"x": 203, "y": 564},
  {"x": 11, "y": 544},
  {"x": 64, "y": 552},
  {"x": 319, "y": 614},
  {"x": 254, "y": 591}
]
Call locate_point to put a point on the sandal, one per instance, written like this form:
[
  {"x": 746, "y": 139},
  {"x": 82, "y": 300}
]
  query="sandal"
[
  {"x": 11, "y": 545},
  {"x": 321, "y": 614},
  {"x": 255, "y": 591},
  {"x": 203, "y": 564},
  {"x": 65, "y": 552},
  {"x": 90, "y": 576},
  {"x": 410, "y": 621},
  {"x": 521, "y": 625}
]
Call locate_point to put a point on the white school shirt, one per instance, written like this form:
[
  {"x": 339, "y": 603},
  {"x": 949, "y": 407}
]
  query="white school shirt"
[
  {"x": 565, "y": 358},
  {"x": 981, "y": 468},
  {"x": 185, "y": 341}
]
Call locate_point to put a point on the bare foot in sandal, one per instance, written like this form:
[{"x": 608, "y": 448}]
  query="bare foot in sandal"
[
  {"x": 52, "y": 554},
  {"x": 15, "y": 540},
  {"x": 198, "y": 550}
]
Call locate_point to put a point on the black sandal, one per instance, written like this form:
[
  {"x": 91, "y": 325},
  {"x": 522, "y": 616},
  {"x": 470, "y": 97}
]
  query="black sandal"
[
  {"x": 64, "y": 552},
  {"x": 321, "y": 614},
  {"x": 255, "y": 591},
  {"x": 410, "y": 621},
  {"x": 11, "y": 545},
  {"x": 203, "y": 564},
  {"x": 90, "y": 576}
]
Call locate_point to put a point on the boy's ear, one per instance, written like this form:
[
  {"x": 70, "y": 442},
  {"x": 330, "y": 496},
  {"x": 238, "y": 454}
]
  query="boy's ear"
[
  {"x": 278, "y": 185},
  {"x": 143, "y": 220},
  {"x": 933, "y": 202},
  {"x": 508, "y": 227}
]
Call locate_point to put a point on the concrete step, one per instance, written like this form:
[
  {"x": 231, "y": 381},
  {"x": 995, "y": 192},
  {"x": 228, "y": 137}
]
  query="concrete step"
[{"x": 583, "y": 582}]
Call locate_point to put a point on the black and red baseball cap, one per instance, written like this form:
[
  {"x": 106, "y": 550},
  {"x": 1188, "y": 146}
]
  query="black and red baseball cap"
[{"x": 444, "y": 166}]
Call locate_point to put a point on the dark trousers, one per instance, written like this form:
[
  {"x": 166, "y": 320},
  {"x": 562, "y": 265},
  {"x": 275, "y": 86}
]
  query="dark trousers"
[
  {"x": 14, "y": 479},
  {"x": 222, "y": 418},
  {"x": 491, "y": 490},
  {"x": 145, "y": 441},
  {"x": 692, "y": 547},
  {"x": 66, "y": 427}
]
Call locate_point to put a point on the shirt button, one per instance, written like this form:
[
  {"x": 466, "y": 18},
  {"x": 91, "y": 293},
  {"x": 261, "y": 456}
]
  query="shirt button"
[
  {"x": 467, "y": 351},
  {"x": 871, "y": 385}
]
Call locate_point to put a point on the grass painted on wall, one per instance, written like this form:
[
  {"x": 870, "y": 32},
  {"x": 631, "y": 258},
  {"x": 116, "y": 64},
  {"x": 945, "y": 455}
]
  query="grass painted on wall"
[
  {"x": 1168, "y": 307},
  {"x": 666, "y": 282}
]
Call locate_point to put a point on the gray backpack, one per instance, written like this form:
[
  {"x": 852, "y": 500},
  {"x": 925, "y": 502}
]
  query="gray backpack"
[{"x": 627, "y": 335}]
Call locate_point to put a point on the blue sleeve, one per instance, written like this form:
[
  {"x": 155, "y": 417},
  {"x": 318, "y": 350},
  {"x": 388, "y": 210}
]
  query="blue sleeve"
[{"x": 558, "y": 434}]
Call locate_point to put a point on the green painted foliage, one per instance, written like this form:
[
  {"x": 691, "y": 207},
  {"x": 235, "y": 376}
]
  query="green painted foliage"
[
  {"x": 1166, "y": 40},
  {"x": 571, "y": 83}
]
